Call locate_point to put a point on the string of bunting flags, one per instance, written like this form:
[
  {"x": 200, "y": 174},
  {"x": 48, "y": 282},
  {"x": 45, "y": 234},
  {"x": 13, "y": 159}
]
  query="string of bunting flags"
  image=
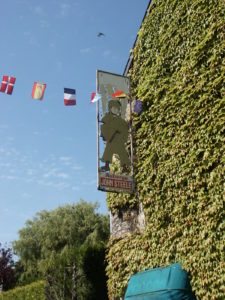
[{"x": 38, "y": 90}]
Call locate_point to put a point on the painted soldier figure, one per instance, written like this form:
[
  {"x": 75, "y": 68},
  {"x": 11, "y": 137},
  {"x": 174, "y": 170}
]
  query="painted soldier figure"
[{"x": 114, "y": 132}]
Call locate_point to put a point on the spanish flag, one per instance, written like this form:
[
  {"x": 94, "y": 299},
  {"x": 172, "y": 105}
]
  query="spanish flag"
[
  {"x": 119, "y": 94},
  {"x": 38, "y": 90}
]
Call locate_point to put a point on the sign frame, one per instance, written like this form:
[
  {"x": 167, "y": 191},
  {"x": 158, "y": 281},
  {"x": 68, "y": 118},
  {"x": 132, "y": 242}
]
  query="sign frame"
[{"x": 109, "y": 181}]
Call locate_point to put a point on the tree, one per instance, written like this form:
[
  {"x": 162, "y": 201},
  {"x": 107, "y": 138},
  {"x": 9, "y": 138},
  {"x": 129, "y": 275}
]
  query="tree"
[
  {"x": 94, "y": 269},
  {"x": 53, "y": 242},
  {"x": 65, "y": 276},
  {"x": 7, "y": 278}
]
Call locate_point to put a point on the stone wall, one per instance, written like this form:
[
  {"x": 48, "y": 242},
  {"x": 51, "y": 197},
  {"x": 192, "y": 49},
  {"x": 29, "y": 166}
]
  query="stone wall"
[{"x": 127, "y": 221}]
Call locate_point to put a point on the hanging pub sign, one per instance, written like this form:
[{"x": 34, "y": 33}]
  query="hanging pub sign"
[{"x": 115, "y": 149}]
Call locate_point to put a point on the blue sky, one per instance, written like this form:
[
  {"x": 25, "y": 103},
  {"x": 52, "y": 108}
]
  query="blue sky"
[{"x": 48, "y": 151}]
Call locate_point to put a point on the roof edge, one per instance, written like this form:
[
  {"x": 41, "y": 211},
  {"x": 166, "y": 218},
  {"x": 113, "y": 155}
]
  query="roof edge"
[{"x": 130, "y": 59}]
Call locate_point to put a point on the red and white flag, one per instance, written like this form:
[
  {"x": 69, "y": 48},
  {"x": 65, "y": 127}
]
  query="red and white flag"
[
  {"x": 95, "y": 97},
  {"x": 7, "y": 84}
]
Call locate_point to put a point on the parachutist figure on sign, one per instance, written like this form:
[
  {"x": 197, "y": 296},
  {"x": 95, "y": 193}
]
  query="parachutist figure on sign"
[{"x": 114, "y": 132}]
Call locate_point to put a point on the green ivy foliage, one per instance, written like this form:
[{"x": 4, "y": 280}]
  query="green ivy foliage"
[
  {"x": 33, "y": 291},
  {"x": 117, "y": 201},
  {"x": 178, "y": 73}
]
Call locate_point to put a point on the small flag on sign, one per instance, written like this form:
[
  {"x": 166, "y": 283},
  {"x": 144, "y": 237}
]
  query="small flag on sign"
[
  {"x": 95, "y": 97},
  {"x": 38, "y": 90},
  {"x": 69, "y": 96},
  {"x": 119, "y": 94},
  {"x": 7, "y": 84}
]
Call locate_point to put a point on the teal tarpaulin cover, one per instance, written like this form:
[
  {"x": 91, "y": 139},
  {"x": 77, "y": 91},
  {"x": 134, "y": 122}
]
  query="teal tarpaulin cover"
[{"x": 170, "y": 283}]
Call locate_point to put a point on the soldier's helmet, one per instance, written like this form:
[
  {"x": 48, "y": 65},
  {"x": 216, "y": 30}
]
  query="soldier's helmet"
[{"x": 114, "y": 103}]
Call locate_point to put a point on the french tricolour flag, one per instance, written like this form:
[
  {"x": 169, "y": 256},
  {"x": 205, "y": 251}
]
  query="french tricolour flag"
[{"x": 69, "y": 96}]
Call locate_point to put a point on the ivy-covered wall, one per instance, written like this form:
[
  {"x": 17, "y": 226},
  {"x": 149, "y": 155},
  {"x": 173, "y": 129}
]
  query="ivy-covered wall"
[{"x": 178, "y": 72}]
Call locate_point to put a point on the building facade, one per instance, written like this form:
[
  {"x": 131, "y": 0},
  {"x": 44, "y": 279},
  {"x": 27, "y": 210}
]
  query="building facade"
[{"x": 177, "y": 212}]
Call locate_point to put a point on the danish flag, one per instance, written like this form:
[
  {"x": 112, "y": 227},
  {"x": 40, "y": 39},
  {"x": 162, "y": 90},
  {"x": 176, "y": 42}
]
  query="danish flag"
[{"x": 7, "y": 84}]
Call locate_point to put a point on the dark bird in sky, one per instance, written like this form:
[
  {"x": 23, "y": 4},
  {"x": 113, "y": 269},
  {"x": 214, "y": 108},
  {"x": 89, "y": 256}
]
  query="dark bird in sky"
[{"x": 100, "y": 34}]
